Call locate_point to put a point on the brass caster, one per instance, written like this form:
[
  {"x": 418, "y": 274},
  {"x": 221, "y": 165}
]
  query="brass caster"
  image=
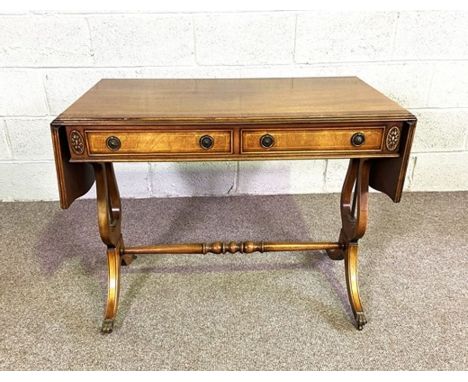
[
  {"x": 107, "y": 326},
  {"x": 360, "y": 320}
]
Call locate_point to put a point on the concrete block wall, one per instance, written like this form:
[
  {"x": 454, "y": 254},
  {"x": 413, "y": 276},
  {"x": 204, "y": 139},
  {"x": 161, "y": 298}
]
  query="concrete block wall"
[{"x": 47, "y": 60}]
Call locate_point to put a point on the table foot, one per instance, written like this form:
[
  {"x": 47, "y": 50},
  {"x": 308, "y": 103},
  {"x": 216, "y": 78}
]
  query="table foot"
[
  {"x": 360, "y": 320},
  {"x": 107, "y": 326},
  {"x": 351, "y": 267},
  {"x": 113, "y": 261}
]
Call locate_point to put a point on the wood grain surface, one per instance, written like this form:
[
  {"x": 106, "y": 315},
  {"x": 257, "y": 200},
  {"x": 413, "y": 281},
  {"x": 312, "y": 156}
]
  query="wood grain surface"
[
  {"x": 159, "y": 142},
  {"x": 231, "y": 100},
  {"x": 322, "y": 140}
]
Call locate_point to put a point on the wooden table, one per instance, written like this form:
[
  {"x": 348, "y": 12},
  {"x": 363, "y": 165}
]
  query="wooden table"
[{"x": 232, "y": 120}]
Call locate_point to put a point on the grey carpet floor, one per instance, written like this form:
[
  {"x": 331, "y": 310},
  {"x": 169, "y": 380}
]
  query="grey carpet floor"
[{"x": 236, "y": 312}]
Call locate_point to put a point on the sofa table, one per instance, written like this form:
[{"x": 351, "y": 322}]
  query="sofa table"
[{"x": 131, "y": 120}]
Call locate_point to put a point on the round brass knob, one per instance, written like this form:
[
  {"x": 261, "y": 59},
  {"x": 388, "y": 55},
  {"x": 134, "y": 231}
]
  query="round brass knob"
[
  {"x": 206, "y": 142},
  {"x": 358, "y": 139},
  {"x": 113, "y": 143},
  {"x": 267, "y": 141}
]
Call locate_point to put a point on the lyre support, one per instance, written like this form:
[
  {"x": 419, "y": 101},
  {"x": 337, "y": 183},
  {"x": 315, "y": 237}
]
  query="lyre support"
[
  {"x": 109, "y": 221},
  {"x": 354, "y": 214},
  {"x": 354, "y": 199},
  {"x": 108, "y": 204}
]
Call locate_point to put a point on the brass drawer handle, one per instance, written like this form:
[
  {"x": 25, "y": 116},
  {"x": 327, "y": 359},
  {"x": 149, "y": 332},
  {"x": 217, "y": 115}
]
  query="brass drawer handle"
[
  {"x": 358, "y": 139},
  {"x": 267, "y": 141},
  {"x": 206, "y": 142},
  {"x": 113, "y": 143}
]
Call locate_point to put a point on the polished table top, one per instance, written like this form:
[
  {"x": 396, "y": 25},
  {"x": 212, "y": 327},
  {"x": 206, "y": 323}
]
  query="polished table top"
[{"x": 224, "y": 100}]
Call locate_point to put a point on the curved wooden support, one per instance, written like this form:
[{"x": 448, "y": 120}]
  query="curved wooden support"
[
  {"x": 113, "y": 286},
  {"x": 351, "y": 270},
  {"x": 108, "y": 204},
  {"x": 109, "y": 207},
  {"x": 109, "y": 221},
  {"x": 354, "y": 213},
  {"x": 353, "y": 205}
]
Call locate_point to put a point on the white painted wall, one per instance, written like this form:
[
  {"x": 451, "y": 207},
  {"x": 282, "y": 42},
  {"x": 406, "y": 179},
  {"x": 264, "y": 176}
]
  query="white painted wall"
[{"x": 420, "y": 59}]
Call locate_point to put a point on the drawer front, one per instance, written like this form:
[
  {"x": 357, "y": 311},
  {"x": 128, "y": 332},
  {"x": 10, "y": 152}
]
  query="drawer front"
[
  {"x": 339, "y": 140},
  {"x": 159, "y": 143}
]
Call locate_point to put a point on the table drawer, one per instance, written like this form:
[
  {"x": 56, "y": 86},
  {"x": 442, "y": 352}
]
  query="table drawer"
[
  {"x": 339, "y": 140},
  {"x": 158, "y": 142}
]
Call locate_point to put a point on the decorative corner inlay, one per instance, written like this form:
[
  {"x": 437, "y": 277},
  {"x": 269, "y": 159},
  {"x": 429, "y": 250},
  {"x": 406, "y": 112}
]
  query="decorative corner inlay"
[
  {"x": 76, "y": 142},
  {"x": 393, "y": 138}
]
